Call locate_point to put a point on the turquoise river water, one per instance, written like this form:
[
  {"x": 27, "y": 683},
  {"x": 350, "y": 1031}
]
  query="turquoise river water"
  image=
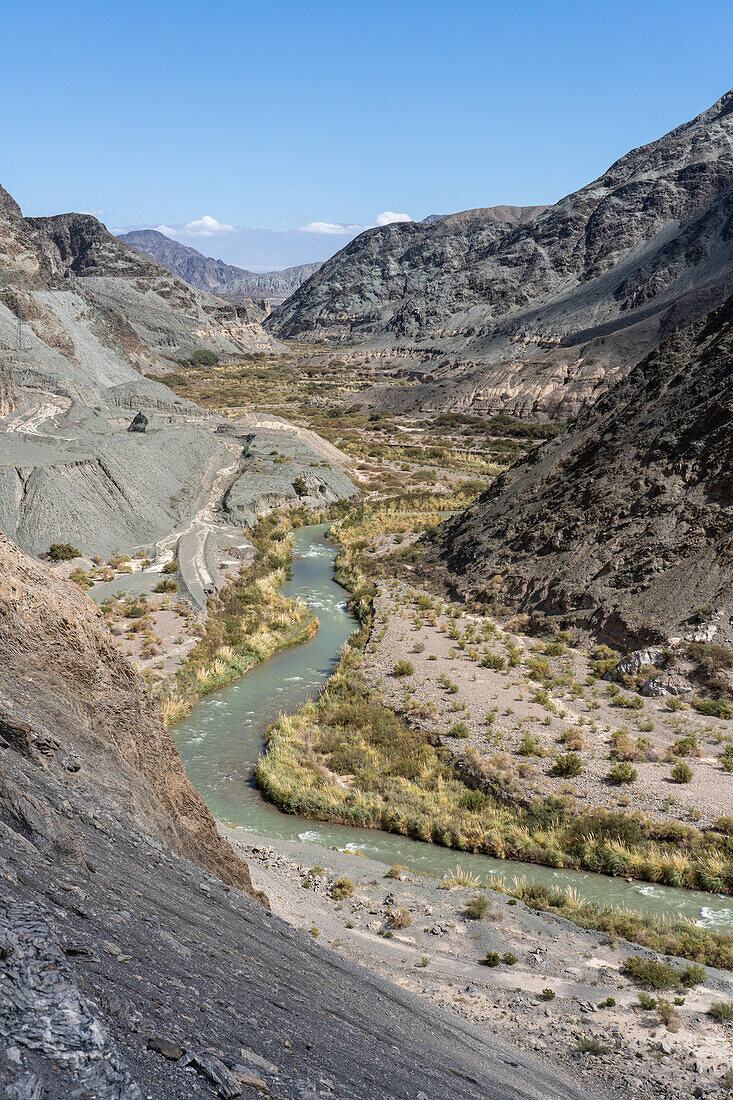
[{"x": 223, "y": 736}]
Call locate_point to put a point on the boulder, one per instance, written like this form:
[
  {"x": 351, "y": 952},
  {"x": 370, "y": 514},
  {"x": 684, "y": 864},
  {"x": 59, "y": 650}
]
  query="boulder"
[{"x": 139, "y": 424}]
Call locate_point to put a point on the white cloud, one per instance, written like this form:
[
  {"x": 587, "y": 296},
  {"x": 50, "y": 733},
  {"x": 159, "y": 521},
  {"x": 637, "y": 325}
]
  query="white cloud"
[
  {"x": 200, "y": 227},
  {"x": 389, "y": 216},
  {"x": 94, "y": 213},
  {"x": 331, "y": 227}
]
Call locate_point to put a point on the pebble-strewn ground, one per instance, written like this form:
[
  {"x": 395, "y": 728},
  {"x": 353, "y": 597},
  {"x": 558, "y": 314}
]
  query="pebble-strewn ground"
[
  {"x": 498, "y": 708},
  {"x": 437, "y": 956}
]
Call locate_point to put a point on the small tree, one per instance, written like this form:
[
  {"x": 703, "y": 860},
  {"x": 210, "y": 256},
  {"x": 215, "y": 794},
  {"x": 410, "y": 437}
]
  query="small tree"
[
  {"x": 204, "y": 357},
  {"x": 63, "y": 551},
  {"x": 301, "y": 487}
]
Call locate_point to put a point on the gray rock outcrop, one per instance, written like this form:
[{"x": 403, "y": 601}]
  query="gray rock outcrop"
[
  {"x": 282, "y": 468},
  {"x": 139, "y": 423}
]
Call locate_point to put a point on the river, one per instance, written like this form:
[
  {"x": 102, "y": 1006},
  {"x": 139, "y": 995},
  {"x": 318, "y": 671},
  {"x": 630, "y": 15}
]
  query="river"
[{"x": 222, "y": 737}]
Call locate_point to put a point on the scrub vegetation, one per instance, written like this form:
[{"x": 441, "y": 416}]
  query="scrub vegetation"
[{"x": 248, "y": 621}]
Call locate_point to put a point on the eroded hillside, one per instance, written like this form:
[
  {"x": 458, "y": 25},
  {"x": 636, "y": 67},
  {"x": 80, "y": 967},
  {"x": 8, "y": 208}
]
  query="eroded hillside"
[
  {"x": 623, "y": 522},
  {"x": 537, "y": 314}
]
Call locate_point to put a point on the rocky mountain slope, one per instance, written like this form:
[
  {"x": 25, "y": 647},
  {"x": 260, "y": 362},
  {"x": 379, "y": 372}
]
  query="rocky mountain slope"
[
  {"x": 133, "y": 292},
  {"x": 134, "y": 959},
  {"x": 624, "y": 522},
  {"x": 537, "y": 314},
  {"x": 205, "y": 273},
  {"x": 96, "y": 313}
]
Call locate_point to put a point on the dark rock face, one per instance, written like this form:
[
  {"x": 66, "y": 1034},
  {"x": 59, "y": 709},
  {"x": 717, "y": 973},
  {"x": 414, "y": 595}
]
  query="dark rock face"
[
  {"x": 205, "y": 273},
  {"x": 139, "y": 423},
  {"x": 81, "y": 245},
  {"x": 134, "y": 961},
  {"x": 536, "y": 315},
  {"x": 624, "y": 522}
]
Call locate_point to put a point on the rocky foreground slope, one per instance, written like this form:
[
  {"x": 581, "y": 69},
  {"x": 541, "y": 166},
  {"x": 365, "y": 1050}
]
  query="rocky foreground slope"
[
  {"x": 206, "y": 273},
  {"x": 134, "y": 959},
  {"x": 624, "y": 522},
  {"x": 537, "y": 314}
]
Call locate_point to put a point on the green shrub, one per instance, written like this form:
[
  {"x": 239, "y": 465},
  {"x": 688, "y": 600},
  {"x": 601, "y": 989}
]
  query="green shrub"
[
  {"x": 403, "y": 668},
  {"x": 622, "y": 773},
  {"x": 686, "y": 746},
  {"x": 476, "y": 907},
  {"x": 80, "y": 577},
  {"x": 668, "y": 1014},
  {"x": 567, "y": 765},
  {"x": 722, "y": 1011},
  {"x": 681, "y": 772},
  {"x": 547, "y": 994},
  {"x": 204, "y": 357},
  {"x": 165, "y": 584},
  {"x": 459, "y": 729},
  {"x": 590, "y": 1045},
  {"x": 491, "y": 959},
  {"x": 301, "y": 486},
  {"x": 170, "y": 567},
  {"x": 63, "y": 551},
  {"x": 652, "y": 973},
  {"x": 530, "y": 746},
  {"x": 692, "y": 975},
  {"x": 714, "y": 708},
  {"x": 647, "y": 1001},
  {"x": 342, "y": 888},
  {"x": 494, "y": 661},
  {"x": 474, "y": 801},
  {"x": 508, "y": 958}
]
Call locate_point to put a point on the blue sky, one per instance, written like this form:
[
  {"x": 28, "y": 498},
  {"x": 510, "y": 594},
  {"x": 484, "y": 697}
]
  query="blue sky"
[{"x": 282, "y": 115}]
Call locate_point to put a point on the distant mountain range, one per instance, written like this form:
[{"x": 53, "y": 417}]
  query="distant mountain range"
[
  {"x": 217, "y": 277},
  {"x": 536, "y": 311}
]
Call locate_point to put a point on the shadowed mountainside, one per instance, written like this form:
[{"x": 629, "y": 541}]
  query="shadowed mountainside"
[{"x": 624, "y": 522}]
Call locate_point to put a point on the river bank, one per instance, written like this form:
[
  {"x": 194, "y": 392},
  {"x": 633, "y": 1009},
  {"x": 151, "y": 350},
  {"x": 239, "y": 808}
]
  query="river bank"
[
  {"x": 625, "y": 1046},
  {"x": 565, "y": 990},
  {"x": 248, "y": 621}
]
